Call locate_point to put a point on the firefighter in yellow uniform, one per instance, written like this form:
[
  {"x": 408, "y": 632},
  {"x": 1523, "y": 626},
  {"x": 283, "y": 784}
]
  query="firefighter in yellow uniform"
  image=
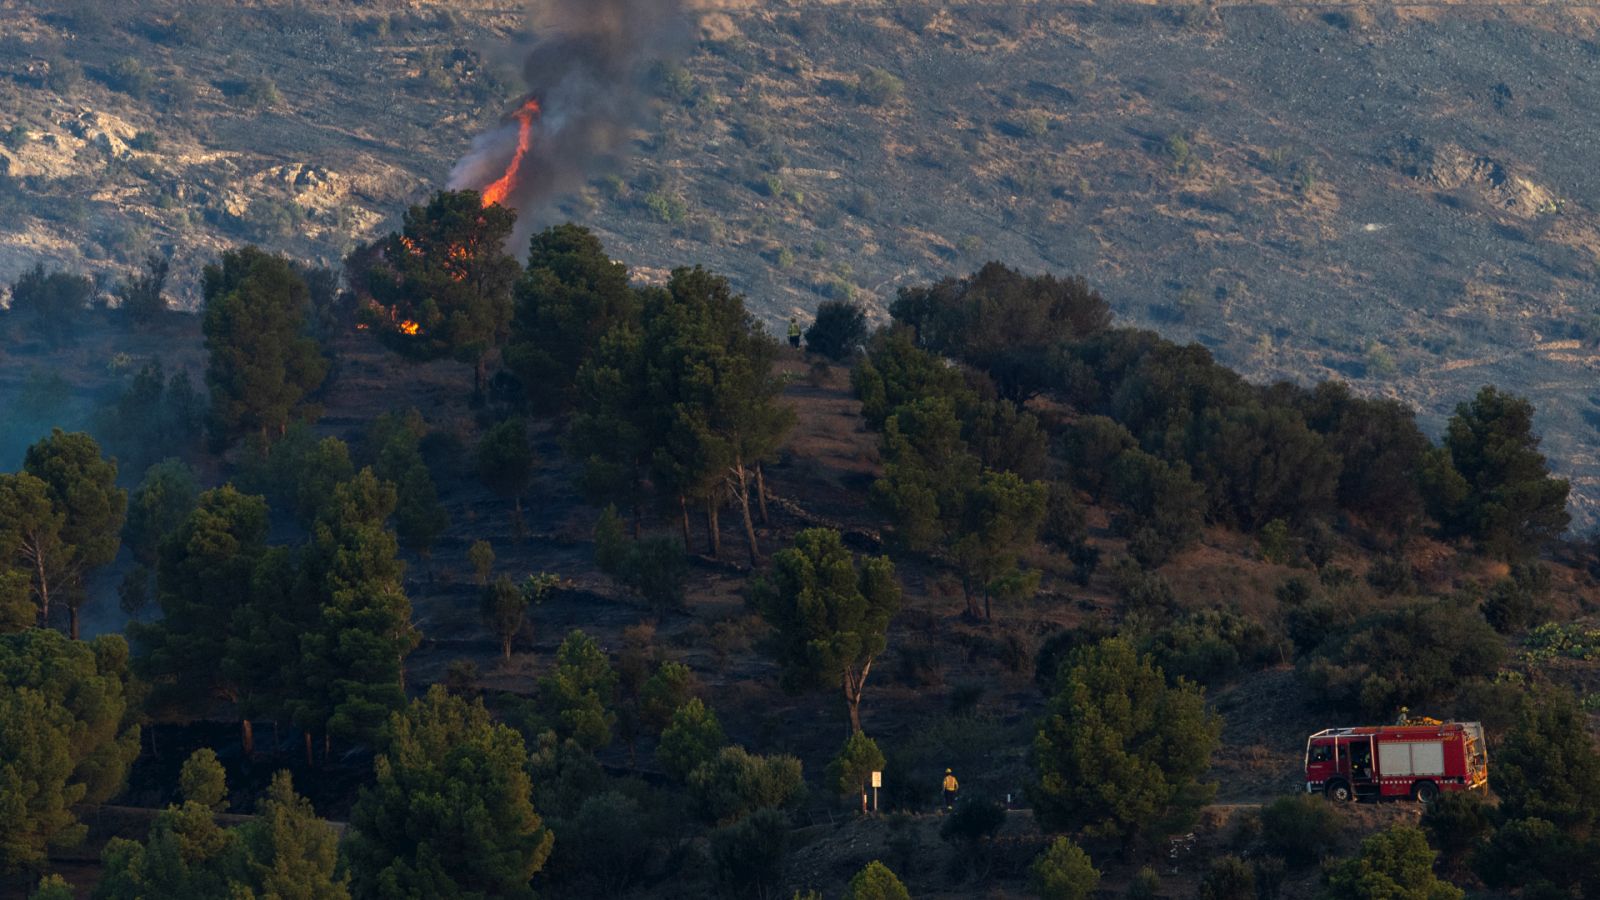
[
  {"x": 950, "y": 788},
  {"x": 794, "y": 332}
]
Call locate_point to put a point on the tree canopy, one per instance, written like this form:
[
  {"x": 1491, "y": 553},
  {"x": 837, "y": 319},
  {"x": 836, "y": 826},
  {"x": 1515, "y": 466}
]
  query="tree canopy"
[{"x": 830, "y": 613}]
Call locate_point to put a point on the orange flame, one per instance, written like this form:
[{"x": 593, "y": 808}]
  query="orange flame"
[
  {"x": 505, "y": 184},
  {"x": 410, "y": 327}
]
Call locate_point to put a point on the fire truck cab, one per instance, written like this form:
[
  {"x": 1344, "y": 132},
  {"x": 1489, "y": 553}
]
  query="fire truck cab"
[{"x": 1390, "y": 761}]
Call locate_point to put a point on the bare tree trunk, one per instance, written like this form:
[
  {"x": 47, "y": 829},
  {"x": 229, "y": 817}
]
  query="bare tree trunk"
[
  {"x": 761, "y": 494},
  {"x": 247, "y": 736},
  {"x": 683, "y": 509},
  {"x": 327, "y": 747},
  {"x": 505, "y": 648},
  {"x": 310, "y": 760},
  {"x": 72, "y": 617},
  {"x": 713, "y": 529},
  {"x": 742, "y": 494},
  {"x": 854, "y": 684},
  {"x": 44, "y": 590}
]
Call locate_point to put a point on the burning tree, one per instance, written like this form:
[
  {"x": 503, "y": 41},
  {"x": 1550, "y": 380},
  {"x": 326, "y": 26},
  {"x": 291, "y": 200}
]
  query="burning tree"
[{"x": 443, "y": 282}]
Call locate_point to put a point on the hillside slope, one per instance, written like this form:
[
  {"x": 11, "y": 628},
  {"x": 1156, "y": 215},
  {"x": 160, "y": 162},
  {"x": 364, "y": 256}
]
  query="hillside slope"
[{"x": 1397, "y": 195}]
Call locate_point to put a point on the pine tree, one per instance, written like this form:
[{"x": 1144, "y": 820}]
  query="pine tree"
[
  {"x": 352, "y": 654},
  {"x": 450, "y": 814},
  {"x": 506, "y": 461},
  {"x": 570, "y": 295},
  {"x": 82, "y": 486},
  {"x": 66, "y": 737},
  {"x": 289, "y": 852},
  {"x": 830, "y": 614},
  {"x": 32, "y": 552},
  {"x": 208, "y": 585},
  {"x": 263, "y": 363},
  {"x": 1120, "y": 751}
]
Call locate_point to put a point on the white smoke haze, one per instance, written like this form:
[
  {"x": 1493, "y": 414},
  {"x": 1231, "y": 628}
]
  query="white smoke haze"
[{"x": 587, "y": 68}]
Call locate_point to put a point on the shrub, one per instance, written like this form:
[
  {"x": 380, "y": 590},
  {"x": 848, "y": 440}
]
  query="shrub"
[
  {"x": 1518, "y": 601},
  {"x": 974, "y": 820},
  {"x": 748, "y": 859},
  {"x": 876, "y": 882},
  {"x": 850, "y": 771},
  {"x": 876, "y": 87},
  {"x": 131, "y": 77},
  {"x": 1228, "y": 878},
  {"x": 1302, "y": 829},
  {"x": 1409, "y": 656},
  {"x": 1063, "y": 872},
  {"x": 1456, "y": 823},
  {"x": 1211, "y": 646},
  {"x": 1393, "y": 863},
  {"x": 736, "y": 783},
  {"x": 840, "y": 328}
]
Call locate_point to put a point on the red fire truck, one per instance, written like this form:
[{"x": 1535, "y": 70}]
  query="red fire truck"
[{"x": 1416, "y": 760}]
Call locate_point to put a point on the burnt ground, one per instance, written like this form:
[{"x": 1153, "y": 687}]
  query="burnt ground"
[{"x": 948, "y": 691}]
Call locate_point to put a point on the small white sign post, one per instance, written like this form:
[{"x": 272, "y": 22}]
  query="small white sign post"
[{"x": 877, "y": 782}]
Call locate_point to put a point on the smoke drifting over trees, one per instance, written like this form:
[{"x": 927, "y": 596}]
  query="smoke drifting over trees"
[{"x": 587, "y": 68}]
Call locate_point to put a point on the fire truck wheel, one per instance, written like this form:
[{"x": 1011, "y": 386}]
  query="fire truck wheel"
[
  {"x": 1425, "y": 792},
  {"x": 1339, "y": 791}
]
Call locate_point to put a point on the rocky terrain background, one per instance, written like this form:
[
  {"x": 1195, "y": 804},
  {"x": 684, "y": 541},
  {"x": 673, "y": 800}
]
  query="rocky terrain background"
[{"x": 1399, "y": 195}]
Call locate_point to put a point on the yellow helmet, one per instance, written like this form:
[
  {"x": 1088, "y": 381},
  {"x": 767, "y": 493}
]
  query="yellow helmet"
[{"x": 947, "y": 771}]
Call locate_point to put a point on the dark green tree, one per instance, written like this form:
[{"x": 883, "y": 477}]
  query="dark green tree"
[
  {"x": 735, "y": 783},
  {"x": 712, "y": 398},
  {"x": 570, "y": 296},
  {"x": 503, "y": 606},
  {"x": 830, "y": 614},
  {"x": 612, "y": 425},
  {"x": 140, "y": 296},
  {"x": 451, "y": 813},
  {"x": 446, "y": 273},
  {"x": 208, "y": 586},
  {"x": 1120, "y": 751},
  {"x": 1548, "y": 766},
  {"x": 349, "y": 587},
  {"x": 82, "y": 486},
  {"x": 850, "y": 771},
  {"x": 263, "y": 365},
  {"x": 51, "y": 303},
  {"x": 1515, "y": 507},
  {"x": 749, "y": 858},
  {"x": 32, "y": 552},
  {"x": 577, "y": 696},
  {"x": 692, "y": 738},
  {"x": 506, "y": 461},
  {"x": 289, "y": 852},
  {"x": 66, "y": 737},
  {"x": 839, "y": 328}
]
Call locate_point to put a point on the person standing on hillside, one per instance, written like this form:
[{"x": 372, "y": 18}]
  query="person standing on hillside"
[
  {"x": 794, "y": 332},
  {"x": 950, "y": 788}
]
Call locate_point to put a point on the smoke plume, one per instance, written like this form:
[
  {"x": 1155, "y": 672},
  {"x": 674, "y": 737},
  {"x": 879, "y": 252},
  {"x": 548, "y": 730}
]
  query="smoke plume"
[{"x": 586, "y": 77}]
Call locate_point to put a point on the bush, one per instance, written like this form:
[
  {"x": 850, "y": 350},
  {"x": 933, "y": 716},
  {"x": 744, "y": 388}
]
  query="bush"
[
  {"x": 1516, "y": 602},
  {"x": 840, "y": 328},
  {"x": 131, "y": 77},
  {"x": 1228, "y": 878},
  {"x": 1393, "y": 863},
  {"x": 1211, "y": 646},
  {"x": 1302, "y": 829},
  {"x": 1409, "y": 656},
  {"x": 748, "y": 859},
  {"x": 737, "y": 783},
  {"x": 691, "y": 739},
  {"x": 1063, "y": 872},
  {"x": 876, "y": 882},
  {"x": 1456, "y": 823},
  {"x": 653, "y": 568},
  {"x": 876, "y": 87},
  {"x": 974, "y": 820}
]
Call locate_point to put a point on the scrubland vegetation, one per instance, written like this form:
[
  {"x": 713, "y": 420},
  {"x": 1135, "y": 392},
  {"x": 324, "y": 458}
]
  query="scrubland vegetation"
[{"x": 639, "y": 600}]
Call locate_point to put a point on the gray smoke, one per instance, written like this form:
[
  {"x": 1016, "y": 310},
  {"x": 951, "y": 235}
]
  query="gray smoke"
[{"x": 588, "y": 69}]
